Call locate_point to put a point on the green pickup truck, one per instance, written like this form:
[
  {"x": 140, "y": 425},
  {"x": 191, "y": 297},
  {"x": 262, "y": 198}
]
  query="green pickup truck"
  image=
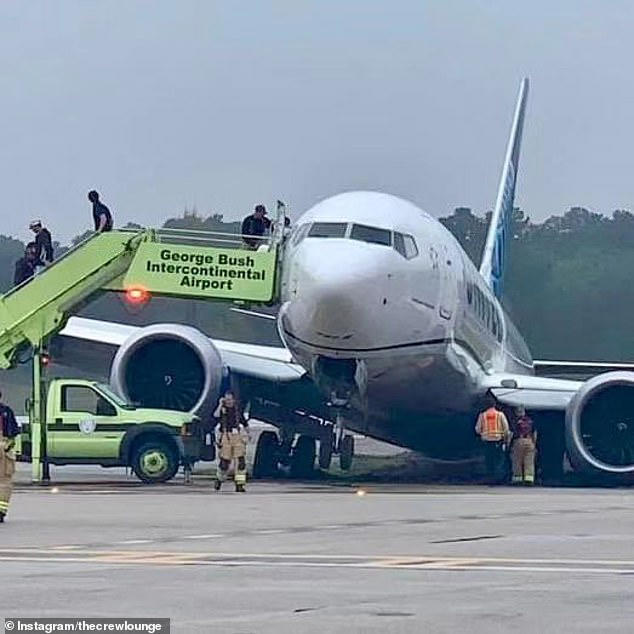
[{"x": 87, "y": 423}]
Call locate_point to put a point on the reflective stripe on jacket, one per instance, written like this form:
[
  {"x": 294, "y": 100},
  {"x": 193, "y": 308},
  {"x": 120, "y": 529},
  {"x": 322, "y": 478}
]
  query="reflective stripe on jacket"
[{"x": 492, "y": 425}]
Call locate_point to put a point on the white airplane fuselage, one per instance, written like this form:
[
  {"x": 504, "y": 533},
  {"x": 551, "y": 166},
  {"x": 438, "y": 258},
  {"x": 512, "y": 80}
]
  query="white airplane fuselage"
[{"x": 381, "y": 305}]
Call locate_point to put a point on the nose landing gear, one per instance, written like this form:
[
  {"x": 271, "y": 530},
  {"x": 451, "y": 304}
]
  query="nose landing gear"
[{"x": 344, "y": 443}]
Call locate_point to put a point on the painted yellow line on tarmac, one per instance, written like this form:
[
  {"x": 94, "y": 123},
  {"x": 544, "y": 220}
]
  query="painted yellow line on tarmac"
[
  {"x": 383, "y": 562},
  {"x": 385, "y": 559}
]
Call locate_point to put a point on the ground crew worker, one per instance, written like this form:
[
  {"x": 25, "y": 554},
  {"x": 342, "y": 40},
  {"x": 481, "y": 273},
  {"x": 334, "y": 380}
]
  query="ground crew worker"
[
  {"x": 254, "y": 227},
  {"x": 523, "y": 448},
  {"x": 100, "y": 213},
  {"x": 8, "y": 432},
  {"x": 231, "y": 439},
  {"x": 493, "y": 429},
  {"x": 26, "y": 265},
  {"x": 43, "y": 242}
]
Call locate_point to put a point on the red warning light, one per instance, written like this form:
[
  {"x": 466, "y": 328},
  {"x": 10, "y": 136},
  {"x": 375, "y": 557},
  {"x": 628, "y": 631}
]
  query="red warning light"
[
  {"x": 45, "y": 359},
  {"x": 137, "y": 295}
]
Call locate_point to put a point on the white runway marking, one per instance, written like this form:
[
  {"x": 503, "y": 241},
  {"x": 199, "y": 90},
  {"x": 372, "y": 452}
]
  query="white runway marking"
[
  {"x": 306, "y": 560},
  {"x": 208, "y": 536}
]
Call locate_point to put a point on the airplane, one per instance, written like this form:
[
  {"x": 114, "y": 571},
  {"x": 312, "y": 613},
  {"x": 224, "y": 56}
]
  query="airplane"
[{"x": 390, "y": 331}]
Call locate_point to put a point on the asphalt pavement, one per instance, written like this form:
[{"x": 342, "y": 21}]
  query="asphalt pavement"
[{"x": 321, "y": 556}]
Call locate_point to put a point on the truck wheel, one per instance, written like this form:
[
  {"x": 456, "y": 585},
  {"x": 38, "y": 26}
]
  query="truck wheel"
[
  {"x": 155, "y": 461},
  {"x": 265, "y": 462},
  {"x": 303, "y": 457}
]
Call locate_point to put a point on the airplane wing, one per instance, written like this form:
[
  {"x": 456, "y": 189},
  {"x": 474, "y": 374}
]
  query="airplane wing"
[
  {"x": 553, "y": 387},
  {"x": 533, "y": 392},
  {"x": 262, "y": 362},
  {"x": 581, "y": 369}
]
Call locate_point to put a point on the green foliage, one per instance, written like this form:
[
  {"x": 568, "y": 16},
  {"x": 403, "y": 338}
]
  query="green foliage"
[
  {"x": 11, "y": 250},
  {"x": 191, "y": 220},
  {"x": 568, "y": 282}
]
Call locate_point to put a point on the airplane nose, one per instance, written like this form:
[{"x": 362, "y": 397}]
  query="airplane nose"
[{"x": 335, "y": 290}]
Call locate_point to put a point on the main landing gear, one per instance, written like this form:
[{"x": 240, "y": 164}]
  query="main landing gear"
[{"x": 298, "y": 452}]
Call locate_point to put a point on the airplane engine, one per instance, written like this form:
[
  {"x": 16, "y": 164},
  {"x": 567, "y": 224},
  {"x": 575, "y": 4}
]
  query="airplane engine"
[
  {"x": 168, "y": 366},
  {"x": 600, "y": 425}
]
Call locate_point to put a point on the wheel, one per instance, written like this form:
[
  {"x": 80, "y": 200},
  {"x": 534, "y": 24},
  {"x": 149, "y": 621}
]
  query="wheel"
[
  {"x": 346, "y": 452},
  {"x": 265, "y": 461},
  {"x": 303, "y": 458},
  {"x": 325, "y": 452},
  {"x": 155, "y": 461}
]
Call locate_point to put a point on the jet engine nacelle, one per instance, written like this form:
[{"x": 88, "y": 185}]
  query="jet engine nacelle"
[
  {"x": 600, "y": 425},
  {"x": 168, "y": 366}
]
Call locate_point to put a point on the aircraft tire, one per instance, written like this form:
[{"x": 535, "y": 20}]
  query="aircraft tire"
[
  {"x": 346, "y": 452},
  {"x": 265, "y": 460},
  {"x": 325, "y": 452},
  {"x": 303, "y": 457}
]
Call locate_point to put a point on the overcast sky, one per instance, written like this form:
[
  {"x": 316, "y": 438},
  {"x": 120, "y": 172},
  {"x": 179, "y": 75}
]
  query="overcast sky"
[{"x": 161, "y": 105}]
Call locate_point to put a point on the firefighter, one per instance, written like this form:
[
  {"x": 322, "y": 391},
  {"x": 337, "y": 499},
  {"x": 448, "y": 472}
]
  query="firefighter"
[
  {"x": 8, "y": 432},
  {"x": 523, "y": 448},
  {"x": 231, "y": 439},
  {"x": 493, "y": 429}
]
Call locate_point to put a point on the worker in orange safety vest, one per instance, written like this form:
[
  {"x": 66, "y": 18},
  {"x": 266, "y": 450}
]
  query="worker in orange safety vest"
[{"x": 493, "y": 429}]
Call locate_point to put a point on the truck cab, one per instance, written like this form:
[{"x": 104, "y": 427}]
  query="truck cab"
[{"x": 87, "y": 423}]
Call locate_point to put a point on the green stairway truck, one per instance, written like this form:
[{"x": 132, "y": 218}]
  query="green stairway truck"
[
  {"x": 185, "y": 264},
  {"x": 87, "y": 423}
]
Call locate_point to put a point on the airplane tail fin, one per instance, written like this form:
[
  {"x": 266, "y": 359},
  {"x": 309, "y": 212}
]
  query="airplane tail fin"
[{"x": 495, "y": 247}]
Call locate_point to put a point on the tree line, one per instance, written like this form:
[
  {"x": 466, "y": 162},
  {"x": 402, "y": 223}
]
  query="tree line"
[{"x": 568, "y": 284}]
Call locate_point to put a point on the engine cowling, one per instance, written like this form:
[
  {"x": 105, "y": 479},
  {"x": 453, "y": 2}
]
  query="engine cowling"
[
  {"x": 600, "y": 425},
  {"x": 168, "y": 366}
]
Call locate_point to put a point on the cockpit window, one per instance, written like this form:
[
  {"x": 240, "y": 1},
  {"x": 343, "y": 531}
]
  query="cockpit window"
[
  {"x": 411, "y": 250},
  {"x": 399, "y": 243},
  {"x": 299, "y": 234},
  {"x": 373, "y": 235},
  {"x": 328, "y": 230},
  {"x": 405, "y": 245}
]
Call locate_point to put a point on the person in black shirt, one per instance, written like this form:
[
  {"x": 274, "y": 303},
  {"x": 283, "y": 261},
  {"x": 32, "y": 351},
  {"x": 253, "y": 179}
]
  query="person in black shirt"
[
  {"x": 25, "y": 266},
  {"x": 43, "y": 242},
  {"x": 254, "y": 227},
  {"x": 8, "y": 432},
  {"x": 100, "y": 213}
]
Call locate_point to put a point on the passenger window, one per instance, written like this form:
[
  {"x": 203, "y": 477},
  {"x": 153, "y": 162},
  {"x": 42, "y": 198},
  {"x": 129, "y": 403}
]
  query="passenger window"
[
  {"x": 411, "y": 250},
  {"x": 328, "y": 230},
  {"x": 399, "y": 244},
  {"x": 79, "y": 398},
  {"x": 374, "y": 235}
]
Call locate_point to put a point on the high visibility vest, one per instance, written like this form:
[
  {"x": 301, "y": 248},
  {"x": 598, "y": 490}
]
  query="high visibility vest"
[{"x": 492, "y": 428}]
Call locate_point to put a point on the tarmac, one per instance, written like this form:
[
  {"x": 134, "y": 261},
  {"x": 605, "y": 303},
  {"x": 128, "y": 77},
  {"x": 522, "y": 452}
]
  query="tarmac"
[{"x": 319, "y": 557}]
